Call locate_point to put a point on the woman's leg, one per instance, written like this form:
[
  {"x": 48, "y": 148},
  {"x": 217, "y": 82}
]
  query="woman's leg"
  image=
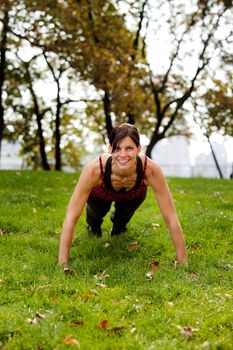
[
  {"x": 96, "y": 209},
  {"x": 123, "y": 213}
]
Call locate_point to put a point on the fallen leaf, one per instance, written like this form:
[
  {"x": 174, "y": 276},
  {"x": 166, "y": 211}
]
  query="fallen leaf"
[
  {"x": 85, "y": 297},
  {"x": 101, "y": 285},
  {"x": 156, "y": 225},
  {"x": 116, "y": 329},
  {"x": 195, "y": 247},
  {"x": 101, "y": 276},
  {"x": 206, "y": 344},
  {"x": 40, "y": 316},
  {"x": 69, "y": 340},
  {"x": 2, "y": 232},
  {"x": 93, "y": 291},
  {"x": 32, "y": 321},
  {"x": 37, "y": 317},
  {"x": 54, "y": 297},
  {"x": 44, "y": 278},
  {"x": 154, "y": 265},
  {"x": 193, "y": 274},
  {"x": 103, "y": 324},
  {"x": 187, "y": 330},
  {"x": 133, "y": 246},
  {"x": 223, "y": 296},
  {"x": 149, "y": 275},
  {"x": 170, "y": 303},
  {"x": 77, "y": 323},
  {"x": 68, "y": 271},
  {"x": 133, "y": 329},
  {"x": 107, "y": 245}
]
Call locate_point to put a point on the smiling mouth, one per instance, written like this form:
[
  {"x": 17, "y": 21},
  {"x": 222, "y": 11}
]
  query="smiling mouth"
[{"x": 123, "y": 161}]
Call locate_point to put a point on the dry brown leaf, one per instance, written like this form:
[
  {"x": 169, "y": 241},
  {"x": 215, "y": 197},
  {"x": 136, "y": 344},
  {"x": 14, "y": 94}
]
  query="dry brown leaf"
[
  {"x": 32, "y": 320},
  {"x": 54, "y": 297},
  {"x": 93, "y": 291},
  {"x": 2, "y": 232},
  {"x": 44, "y": 278},
  {"x": 40, "y": 316},
  {"x": 193, "y": 274},
  {"x": 69, "y": 340},
  {"x": 101, "y": 276},
  {"x": 187, "y": 330},
  {"x": 85, "y": 297},
  {"x": 133, "y": 329},
  {"x": 133, "y": 246},
  {"x": 154, "y": 265},
  {"x": 149, "y": 275},
  {"x": 103, "y": 324},
  {"x": 37, "y": 317},
  {"x": 107, "y": 245},
  {"x": 195, "y": 247},
  {"x": 68, "y": 271},
  {"x": 116, "y": 329},
  {"x": 206, "y": 344},
  {"x": 77, "y": 323},
  {"x": 156, "y": 225},
  {"x": 223, "y": 296}
]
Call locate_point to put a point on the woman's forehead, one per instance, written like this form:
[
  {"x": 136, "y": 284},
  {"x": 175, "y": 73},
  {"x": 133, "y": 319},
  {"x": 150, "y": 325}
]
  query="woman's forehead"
[{"x": 127, "y": 140}]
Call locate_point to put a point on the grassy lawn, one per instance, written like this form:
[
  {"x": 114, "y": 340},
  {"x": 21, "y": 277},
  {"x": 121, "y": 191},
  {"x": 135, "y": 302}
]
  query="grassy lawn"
[{"x": 110, "y": 301}]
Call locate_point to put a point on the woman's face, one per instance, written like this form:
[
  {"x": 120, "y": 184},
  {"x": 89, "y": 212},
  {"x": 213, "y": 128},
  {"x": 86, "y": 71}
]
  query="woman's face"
[{"x": 125, "y": 154}]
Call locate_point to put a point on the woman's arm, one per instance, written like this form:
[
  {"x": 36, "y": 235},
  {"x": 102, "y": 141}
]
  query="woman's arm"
[
  {"x": 88, "y": 179},
  {"x": 156, "y": 179}
]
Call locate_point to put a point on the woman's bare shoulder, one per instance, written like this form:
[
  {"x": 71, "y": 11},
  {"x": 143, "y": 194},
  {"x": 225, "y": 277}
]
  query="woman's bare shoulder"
[
  {"x": 93, "y": 167},
  {"x": 153, "y": 170}
]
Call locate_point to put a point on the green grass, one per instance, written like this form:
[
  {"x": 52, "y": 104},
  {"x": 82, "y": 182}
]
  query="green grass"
[{"x": 67, "y": 309}]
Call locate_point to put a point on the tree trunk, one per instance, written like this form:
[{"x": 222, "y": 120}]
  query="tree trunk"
[
  {"x": 39, "y": 115},
  {"x": 215, "y": 158},
  {"x": 107, "y": 110},
  {"x": 154, "y": 139},
  {"x": 58, "y": 134},
  {"x": 43, "y": 155},
  {"x": 2, "y": 74},
  {"x": 131, "y": 118}
]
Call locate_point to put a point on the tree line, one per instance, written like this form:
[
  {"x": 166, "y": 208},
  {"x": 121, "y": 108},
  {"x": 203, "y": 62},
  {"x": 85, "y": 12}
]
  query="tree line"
[{"x": 71, "y": 69}]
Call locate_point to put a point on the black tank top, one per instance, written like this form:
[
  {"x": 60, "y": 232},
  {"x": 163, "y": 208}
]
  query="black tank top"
[{"x": 105, "y": 190}]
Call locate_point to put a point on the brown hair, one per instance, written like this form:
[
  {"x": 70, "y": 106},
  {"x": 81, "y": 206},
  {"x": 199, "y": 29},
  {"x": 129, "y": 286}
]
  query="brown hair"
[{"x": 120, "y": 132}]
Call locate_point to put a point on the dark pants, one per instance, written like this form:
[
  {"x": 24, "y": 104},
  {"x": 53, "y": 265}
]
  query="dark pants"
[{"x": 96, "y": 209}]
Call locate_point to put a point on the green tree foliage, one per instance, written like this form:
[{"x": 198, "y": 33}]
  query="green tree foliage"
[{"x": 219, "y": 104}]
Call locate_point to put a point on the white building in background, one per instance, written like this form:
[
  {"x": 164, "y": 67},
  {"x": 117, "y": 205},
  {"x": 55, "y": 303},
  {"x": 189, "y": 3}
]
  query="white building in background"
[
  {"x": 176, "y": 155},
  {"x": 173, "y": 156},
  {"x": 10, "y": 158},
  {"x": 182, "y": 157},
  {"x": 204, "y": 163}
]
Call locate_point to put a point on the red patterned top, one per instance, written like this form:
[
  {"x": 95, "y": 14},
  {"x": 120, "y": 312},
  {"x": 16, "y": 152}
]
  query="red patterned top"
[{"x": 106, "y": 192}]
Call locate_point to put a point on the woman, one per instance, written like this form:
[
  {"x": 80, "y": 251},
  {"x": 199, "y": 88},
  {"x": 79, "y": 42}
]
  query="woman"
[{"x": 120, "y": 176}]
